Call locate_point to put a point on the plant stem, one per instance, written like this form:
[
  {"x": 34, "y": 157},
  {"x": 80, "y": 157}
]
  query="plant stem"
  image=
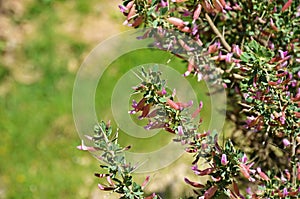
[
  {"x": 294, "y": 165},
  {"x": 217, "y": 32}
]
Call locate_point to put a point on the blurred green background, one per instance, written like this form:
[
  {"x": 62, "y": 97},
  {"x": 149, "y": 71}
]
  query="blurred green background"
[{"x": 42, "y": 44}]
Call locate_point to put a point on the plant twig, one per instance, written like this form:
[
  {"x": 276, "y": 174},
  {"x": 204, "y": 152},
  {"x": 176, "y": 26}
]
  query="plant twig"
[
  {"x": 294, "y": 167},
  {"x": 215, "y": 29}
]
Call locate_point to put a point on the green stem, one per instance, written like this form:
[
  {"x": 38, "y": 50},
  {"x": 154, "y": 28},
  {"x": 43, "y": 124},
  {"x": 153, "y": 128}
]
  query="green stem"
[{"x": 294, "y": 165}]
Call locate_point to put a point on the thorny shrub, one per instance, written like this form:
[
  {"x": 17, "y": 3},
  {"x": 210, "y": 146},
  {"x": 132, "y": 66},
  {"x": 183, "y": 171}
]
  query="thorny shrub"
[{"x": 255, "y": 49}]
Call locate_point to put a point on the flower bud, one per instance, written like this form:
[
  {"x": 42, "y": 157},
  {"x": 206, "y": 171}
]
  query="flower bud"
[{"x": 224, "y": 160}]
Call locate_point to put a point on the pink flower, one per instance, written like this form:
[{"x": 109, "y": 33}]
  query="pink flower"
[
  {"x": 83, "y": 147},
  {"x": 145, "y": 182},
  {"x": 101, "y": 187},
  {"x": 286, "y": 5},
  {"x": 245, "y": 169},
  {"x": 194, "y": 184},
  {"x": 163, "y": 91},
  {"x": 224, "y": 160},
  {"x": 283, "y": 54},
  {"x": 237, "y": 7},
  {"x": 172, "y": 104},
  {"x": 197, "y": 12},
  {"x": 197, "y": 111},
  {"x": 236, "y": 49},
  {"x": 176, "y": 21},
  {"x": 210, "y": 192},
  {"x": 164, "y": 3},
  {"x": 228, "y": 58},
  {"x": 180, "y": 130},
  {"x": 262, "y": 174},
  {"x": 244, "y": 158},
  {"x": 285, "y": 192},
  {"x": 214, "y": 47},
  {"x": 286, "y": 142},
  {"x": 122, "y": 8}
]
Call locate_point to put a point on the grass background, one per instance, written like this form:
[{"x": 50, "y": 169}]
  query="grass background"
[{"x": 42, "y": 44}]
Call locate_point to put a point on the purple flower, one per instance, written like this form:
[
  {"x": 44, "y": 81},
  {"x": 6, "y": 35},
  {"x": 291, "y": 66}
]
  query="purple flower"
[
  {"x": 283, "y": 54},
  {"x": 214, "y": 47},
  {"x": 224, "y": 160},
  {"x": 298, "y": 12},
  {"x": 180, "y": 130},
  {"x": 236, "y": 7},
  {"x": 154, "y": 125},
  {"x": 250, "y": 119},
  {"x": 282, "y": 119},
  {"x": 83, "y": 147},
  {"x": 244, "y": 158},
  {"x": 282, "y": 178},
  {"x": 163, "y": 3},
  {"x": 272, "y": 116},
  {"x": 271, "y": 45},
  {"x": 236, "y": 49},
  {"x": 163, "y": 91},
  {"x": 122, "y": 8},
  {"x": 228, "y": 57},
  {"x": 195, "y": 167},
  {"x": 249, "y": 191},
  {"x": 134, "y": 104},
  {"x": 186, "y": 13},
  {"x": 194, "y": 29},
  {"x": 286, "y": 142},
  {"x": 285, "y": 192}
]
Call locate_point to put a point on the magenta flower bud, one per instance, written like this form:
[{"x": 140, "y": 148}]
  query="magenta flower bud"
[
  {"x": 224, "y": 160},
  {"x": 244, "y": 158},
  {"x": 282, "y": 119},
  {"x": 283, "y": 54},
  {"x": 164, "y": 3},
  {"x": 282, "y": 178},
  {"x": 236, "y": 49},
  {"x": 83, "y": 147},
  {"x": 145, "y": 182},
  {"x": 195, "y": 167},
  {"x": 122, "y": 8},
  {"x": 285, "y": 192},
  {"x": 249, "y": 191},
  {"x": 180, "y": 130},
  {"x": 286, "y": 142},
  {"x": 163, "y": 91},
  {"x": 228, "y": 57},
  {"x": 214, "y": 47}
]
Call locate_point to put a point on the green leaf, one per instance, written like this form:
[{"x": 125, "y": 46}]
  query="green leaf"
[
  {"x": 162, "y": 100},
  {"x": 245, "y": 57}
]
